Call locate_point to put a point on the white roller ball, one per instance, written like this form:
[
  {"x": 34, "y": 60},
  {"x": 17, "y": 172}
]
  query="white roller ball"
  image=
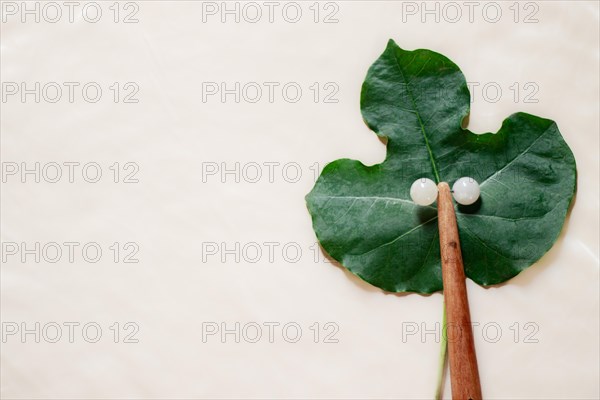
[
  {"x": 423, "y": 191},
  {"x": 466, "y": 191}
]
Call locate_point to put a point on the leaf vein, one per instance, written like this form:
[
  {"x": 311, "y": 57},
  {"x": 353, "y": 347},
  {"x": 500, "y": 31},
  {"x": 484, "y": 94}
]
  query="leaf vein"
[
  {"x": 516, "y": 157},
  {"x": 396, "y": 239}
]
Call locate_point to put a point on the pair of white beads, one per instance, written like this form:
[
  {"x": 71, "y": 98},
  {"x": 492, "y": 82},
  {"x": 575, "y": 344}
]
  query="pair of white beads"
[{"x": 465, "y": 191}]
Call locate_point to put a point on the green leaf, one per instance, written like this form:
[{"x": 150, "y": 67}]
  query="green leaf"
[{"x": 363, "y": 215}]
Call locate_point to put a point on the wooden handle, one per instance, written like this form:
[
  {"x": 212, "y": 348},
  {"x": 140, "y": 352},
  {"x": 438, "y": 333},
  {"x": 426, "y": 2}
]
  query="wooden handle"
[{"x": 464, "y": 376}]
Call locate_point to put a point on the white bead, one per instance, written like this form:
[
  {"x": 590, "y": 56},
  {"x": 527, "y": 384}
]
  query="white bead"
[
  {"x": 423, "y": 191},
  {"x": 466, "y": 191}
]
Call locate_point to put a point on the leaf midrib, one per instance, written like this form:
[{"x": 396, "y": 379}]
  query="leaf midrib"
[{"x": 412, "y": 99}]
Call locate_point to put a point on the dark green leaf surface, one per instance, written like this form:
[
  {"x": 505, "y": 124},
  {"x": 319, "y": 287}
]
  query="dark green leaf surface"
[{"x": 365, "y": 219}]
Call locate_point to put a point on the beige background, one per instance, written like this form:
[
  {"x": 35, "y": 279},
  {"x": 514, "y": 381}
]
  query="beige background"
[{"x": 170, "y": 133}]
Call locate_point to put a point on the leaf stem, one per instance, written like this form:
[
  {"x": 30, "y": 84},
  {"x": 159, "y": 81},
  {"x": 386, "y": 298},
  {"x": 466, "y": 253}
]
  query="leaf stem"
[{"x": 442, "y": 361}]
